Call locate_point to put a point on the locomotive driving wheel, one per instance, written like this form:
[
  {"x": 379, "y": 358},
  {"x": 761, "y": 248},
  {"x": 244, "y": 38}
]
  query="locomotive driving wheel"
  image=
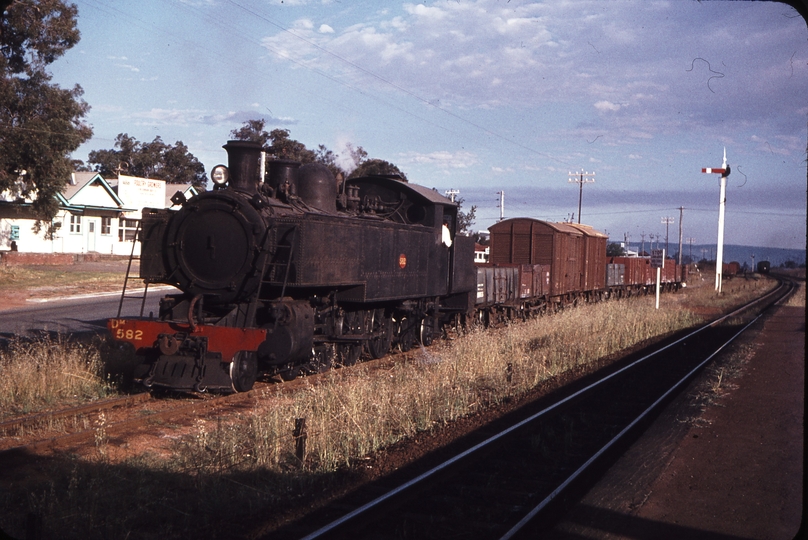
[
  {"x": 406, "y": 334},
  {"x": 244, "y": 371},
  {"x": 427, "y": 331},
  {"x": 348, "y": 353},
  {"x": 381, "y": 332}
]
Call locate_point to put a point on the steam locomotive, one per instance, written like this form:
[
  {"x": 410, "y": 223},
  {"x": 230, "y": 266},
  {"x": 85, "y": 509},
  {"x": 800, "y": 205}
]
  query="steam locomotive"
[
  {"x": 284, "y": 272},
  {"x": 287, "y": 272}
]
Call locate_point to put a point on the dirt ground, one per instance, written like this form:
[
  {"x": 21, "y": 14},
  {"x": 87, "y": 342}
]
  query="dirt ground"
[{"x": 735, "y": 471}]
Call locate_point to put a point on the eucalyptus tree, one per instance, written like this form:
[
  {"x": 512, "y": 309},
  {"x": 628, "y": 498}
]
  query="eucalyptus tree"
[{"x": 41, "y": 124}]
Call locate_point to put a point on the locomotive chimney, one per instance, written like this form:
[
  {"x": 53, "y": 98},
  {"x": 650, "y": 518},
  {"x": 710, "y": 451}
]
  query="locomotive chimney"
[{"x": 244, "y": 158}]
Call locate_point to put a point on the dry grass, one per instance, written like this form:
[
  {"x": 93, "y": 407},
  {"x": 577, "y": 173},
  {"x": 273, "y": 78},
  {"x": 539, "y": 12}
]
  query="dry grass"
[
  {"x": 226, "y": 470},
  {"x": 49, "y": 372},
  {"x": 351, "y": 415},
  {"x": 798, "y": 298},
  {"x": 41, "y": 278}
]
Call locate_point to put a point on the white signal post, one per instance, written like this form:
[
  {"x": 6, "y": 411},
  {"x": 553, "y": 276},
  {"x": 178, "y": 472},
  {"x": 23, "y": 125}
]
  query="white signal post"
[
  {"x": 658, "y": 262},
  {"x": 722, "y": 201}
]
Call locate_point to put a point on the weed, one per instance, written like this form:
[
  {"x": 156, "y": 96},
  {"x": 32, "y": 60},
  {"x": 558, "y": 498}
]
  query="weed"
[{"x": 46, "y": 372}]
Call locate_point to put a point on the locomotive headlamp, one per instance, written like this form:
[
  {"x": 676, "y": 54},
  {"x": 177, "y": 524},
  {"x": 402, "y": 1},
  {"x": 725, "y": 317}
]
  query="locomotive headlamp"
[{"x": 220, "y": 175}]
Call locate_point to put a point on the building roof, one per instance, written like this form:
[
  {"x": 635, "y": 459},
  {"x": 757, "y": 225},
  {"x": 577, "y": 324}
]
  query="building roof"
[
  {"x": 189, "y": 191},
  {"x": 82, "y": 182}
]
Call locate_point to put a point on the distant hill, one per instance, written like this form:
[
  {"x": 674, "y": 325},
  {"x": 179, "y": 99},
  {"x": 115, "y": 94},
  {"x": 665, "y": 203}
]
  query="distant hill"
[{"x": 741, "y": 254}]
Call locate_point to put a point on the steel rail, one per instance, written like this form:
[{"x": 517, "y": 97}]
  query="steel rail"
[
  {"x": 676, "y": 387},
  {"x": 438, "y": 468},
  {"x": 80, "y": 410}
]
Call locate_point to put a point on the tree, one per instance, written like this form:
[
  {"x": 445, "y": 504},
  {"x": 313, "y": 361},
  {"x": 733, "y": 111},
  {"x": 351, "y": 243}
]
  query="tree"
[
  {"x": 276, "y": 143},
  {"x": 252, "y": 130},
  {"x": 358, "y": 154},
  {"x": 279, "y": 145},
  {"x": 377, "y": 167},
  {"x": 41, "y": 124},
  {"x": 283, "y": 147},
  {"x": 182, "y": 167},
  {"x": 329, "y": 159},
  {"x": 465, "y": 219},
  {"x": 615, "y": 250},
  {"x": 174, "y": 164}
]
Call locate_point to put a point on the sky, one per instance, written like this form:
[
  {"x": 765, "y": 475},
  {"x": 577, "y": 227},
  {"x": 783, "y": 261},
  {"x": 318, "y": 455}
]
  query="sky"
[{"x": 484, "y": 97}]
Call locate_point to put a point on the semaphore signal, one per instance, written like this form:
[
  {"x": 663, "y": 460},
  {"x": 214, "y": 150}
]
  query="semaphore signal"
[{"x": 722, "y": 201}]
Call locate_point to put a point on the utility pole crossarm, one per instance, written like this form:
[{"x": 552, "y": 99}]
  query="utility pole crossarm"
[{"x": 581, "y": 178}]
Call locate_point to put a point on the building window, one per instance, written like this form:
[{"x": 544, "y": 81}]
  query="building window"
[
  {"x": 106, "y": 225},
  {"x": 127, "y": 229},
  {"x": 75, "y": 224}
]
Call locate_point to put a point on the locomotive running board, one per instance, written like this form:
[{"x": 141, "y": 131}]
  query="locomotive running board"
[{"x": 143, "y": 334}]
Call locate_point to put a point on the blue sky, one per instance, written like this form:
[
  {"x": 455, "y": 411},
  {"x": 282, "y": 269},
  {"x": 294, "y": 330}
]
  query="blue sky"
[{"x": 484, "y": 96}]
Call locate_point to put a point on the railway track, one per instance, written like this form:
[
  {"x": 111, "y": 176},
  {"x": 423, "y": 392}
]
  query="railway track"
[
  {"x": 76, "y": 426},
  {"x": 513, "y": 481}
]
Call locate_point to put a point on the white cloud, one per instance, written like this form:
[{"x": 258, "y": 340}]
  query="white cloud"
[
  {"x": 442, "y": 159},
  {"x": 325, "y": 29},
  {"x": 605, "y": 105}
]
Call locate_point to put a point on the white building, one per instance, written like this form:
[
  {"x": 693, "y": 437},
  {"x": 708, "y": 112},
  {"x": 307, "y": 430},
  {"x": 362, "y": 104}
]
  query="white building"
[{"x": 94, "y": 216}]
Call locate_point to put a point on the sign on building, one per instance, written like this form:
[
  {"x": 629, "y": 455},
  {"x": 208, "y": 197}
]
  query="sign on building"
[{"x": 141, "y": 193}]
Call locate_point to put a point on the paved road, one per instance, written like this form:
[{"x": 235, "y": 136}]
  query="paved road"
[{"x": 80, "y": 314}]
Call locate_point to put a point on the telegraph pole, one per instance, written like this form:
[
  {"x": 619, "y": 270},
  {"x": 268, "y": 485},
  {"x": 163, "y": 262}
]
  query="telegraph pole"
[
  {"x": 451, "y": 193},
  {"x": 581, "y": 178},
  {"x": 501, "y": 204},
  {"x": 667, "y": 221}
]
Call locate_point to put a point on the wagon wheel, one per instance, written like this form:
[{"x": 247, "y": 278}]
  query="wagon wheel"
[
  {"x": 244, "y": 371},
  {"x": 379, "y": 344},
  {"x": 484, "y": 318}
]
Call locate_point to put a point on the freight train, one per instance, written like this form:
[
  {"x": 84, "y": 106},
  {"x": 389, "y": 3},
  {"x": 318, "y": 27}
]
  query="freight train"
[{"x": 284, "y": 271}]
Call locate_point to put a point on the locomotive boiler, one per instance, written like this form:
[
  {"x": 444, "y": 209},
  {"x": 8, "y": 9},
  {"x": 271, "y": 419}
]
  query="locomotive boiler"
[{"x": 283, "y": 271}]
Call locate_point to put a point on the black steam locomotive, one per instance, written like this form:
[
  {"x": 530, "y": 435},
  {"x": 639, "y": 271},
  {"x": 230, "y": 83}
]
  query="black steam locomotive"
[{"x": 286, "y": 272}]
